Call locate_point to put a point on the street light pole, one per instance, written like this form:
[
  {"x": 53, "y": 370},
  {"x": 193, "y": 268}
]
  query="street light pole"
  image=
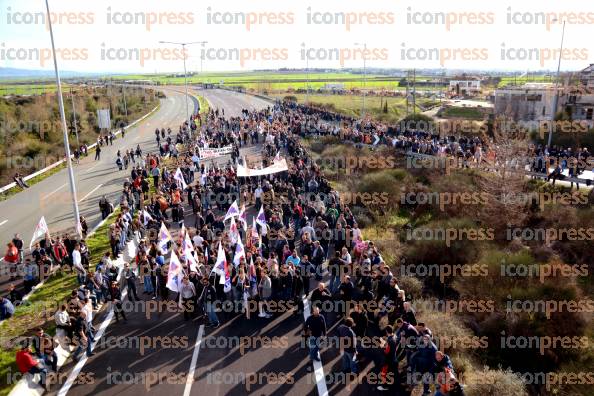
[
  {"x": 125, "y": 104},
  {"x": 185, "y": 73},
  {"x": 74, "y": 116},
  {"x": 364, "y": 75},
  {"x": 307, "y": 88},
  {"x": 556, "y": 98},
  {"x": 64, "y": 127}
]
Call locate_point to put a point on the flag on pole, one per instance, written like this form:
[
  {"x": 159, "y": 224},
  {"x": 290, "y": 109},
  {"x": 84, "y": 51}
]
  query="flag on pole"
[
  {"x": 188, "y": 254},
  {"x": 254, "y": 237},
  {"x": 233, "y": 231},
  {"x": 243, "y": 218},
  {"x": 40, "y": 230},
  {"x": 232, "y": 212},
  {"x": 227, "y": 283},
  {"x": 187, "y": 243},
  {"x": 174, "y": 273},
  {"x": 261, "y": 220},
  {"x": 239, "y": 253},
  {"x": 179, "y": 178},
  {"x": 277, "y": 157},
  {"x": 164, "y": 238},
  {"x": 219, "y": 267}
]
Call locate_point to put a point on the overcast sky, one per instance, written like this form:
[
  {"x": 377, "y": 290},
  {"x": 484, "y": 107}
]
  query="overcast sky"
[{"x": 124, "y": 36}]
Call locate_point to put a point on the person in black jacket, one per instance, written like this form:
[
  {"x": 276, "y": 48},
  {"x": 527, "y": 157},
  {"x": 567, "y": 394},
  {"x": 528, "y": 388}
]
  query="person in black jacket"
[
  {"x": 130, "y": 277},
  {"x": 116, "y": 301},
  {"x": 319, "y": 296},
  {"x": 209, "y": 299},
  {"x": 314, "y": 329},
  {"x": 388, "y": 367},
  {"x": 359, "y": 316}
]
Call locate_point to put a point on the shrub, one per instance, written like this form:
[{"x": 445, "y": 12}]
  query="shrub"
[{"x": 488, "y": 382}]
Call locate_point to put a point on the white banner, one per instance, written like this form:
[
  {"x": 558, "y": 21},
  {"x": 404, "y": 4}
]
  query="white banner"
[
  {"x": 279, "y": 166},
  {"x": 215, "y": 152}
]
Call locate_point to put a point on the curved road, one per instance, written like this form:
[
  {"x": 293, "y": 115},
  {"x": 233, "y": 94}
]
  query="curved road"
[{"x": 51, "y": 197}]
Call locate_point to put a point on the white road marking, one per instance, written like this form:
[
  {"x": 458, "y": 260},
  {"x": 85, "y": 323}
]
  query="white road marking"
[
  {"x": 83, "y": 360},
  {"x": 190, "y": 377},
  {"x": 55, "y": 191},
  {"x": 318, "y": 367},
  {"x": 4, "y": 222},
  {"x": 93, "y": 167},
  {"x": 91, "y": 192}
]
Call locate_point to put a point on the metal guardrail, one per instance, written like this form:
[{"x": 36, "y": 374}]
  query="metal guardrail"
[
  {"x": 456, "y": 161},
  {"x": 58, "y": 163}
]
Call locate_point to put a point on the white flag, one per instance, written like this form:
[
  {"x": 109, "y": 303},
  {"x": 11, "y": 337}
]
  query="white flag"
[
  {"x": 239, "y": 253},
  {"x": 261, "y": 220},
  {"x": 179, "y": 177},
  {"x": 232, "y": 212},
  {"x": 233, "y": 231},
  {"x": 40, "y": 230},
  {"x": 174, "y": 273},
  {"x": 164, "y": 238},
  {"x": 243, "y": 217},
  {"x": 191, "y": 259}
]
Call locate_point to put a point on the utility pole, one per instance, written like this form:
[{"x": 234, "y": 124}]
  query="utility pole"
[
  {"x": 364, "y": 76},
  {"x": 125, "y": 104},
  {"x": 414, "y": 91},
  {"x": 556, "y": 99},
  {"x": 307, "y": 71}
]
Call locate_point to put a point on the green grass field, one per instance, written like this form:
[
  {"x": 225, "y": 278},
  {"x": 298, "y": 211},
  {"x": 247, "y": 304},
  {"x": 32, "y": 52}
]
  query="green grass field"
[
  {"x": 281, "y": 81},
  {"x": 352, "y": 105},
  {"x": 463, "y": 112},
  {"x": 29, "y": 89}
]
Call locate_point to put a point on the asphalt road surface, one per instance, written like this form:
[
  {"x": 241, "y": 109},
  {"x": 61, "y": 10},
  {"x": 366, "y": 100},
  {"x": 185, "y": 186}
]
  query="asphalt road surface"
[
  {"x": 52, "y": 198},
  {"x": 158, "y": 352}
]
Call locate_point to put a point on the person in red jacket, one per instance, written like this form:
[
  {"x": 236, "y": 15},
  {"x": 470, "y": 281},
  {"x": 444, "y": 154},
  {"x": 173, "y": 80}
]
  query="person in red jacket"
[
  {"x": 26, "y": 363},
  {"x": 60, "y": 252},
  {"x": 12, "y": 258}
]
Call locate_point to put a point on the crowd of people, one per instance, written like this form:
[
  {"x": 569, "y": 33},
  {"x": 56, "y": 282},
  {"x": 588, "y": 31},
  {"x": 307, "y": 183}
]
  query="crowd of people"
[
  {"x": 303, "y": 252},
  {"x": 306, "y": 244}
]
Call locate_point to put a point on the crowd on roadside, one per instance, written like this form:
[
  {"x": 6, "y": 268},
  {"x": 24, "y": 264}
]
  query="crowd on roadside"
[
  {"x": 301, "y": 252},
  {"x": 302, "y": 242}
]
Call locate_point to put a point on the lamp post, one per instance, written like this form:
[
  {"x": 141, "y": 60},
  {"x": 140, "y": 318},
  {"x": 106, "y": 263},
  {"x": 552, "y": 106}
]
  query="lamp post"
[
  {"x": 364, "y": 75},
  {"x": 556, "y": 98},
  {"x": 64, "y": 127},
  {"x": 74, "y": 117},
  {"x": 185, "y": 73}
]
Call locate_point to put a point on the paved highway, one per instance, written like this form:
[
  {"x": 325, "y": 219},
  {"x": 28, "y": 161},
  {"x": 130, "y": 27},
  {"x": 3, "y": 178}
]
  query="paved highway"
[
  {"x": 51, "y": 197},
  {"x": 156, "y": 353}
]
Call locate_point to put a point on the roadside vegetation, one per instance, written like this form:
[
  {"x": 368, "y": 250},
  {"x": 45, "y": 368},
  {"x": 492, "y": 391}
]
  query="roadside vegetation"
[
  {"x": 30, "y": 127},
  {"x": 389, "y": 224},
  {"x": 39, "y": 309}
]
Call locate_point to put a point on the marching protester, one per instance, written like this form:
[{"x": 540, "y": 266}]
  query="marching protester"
[{"x": 302, "y": 244}]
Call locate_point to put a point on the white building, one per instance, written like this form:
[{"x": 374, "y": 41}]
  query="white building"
[
  {"x": 465, "y": 86},
  {"x": 587, "y": 76},
  {"x": 529, "y": 102}
]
